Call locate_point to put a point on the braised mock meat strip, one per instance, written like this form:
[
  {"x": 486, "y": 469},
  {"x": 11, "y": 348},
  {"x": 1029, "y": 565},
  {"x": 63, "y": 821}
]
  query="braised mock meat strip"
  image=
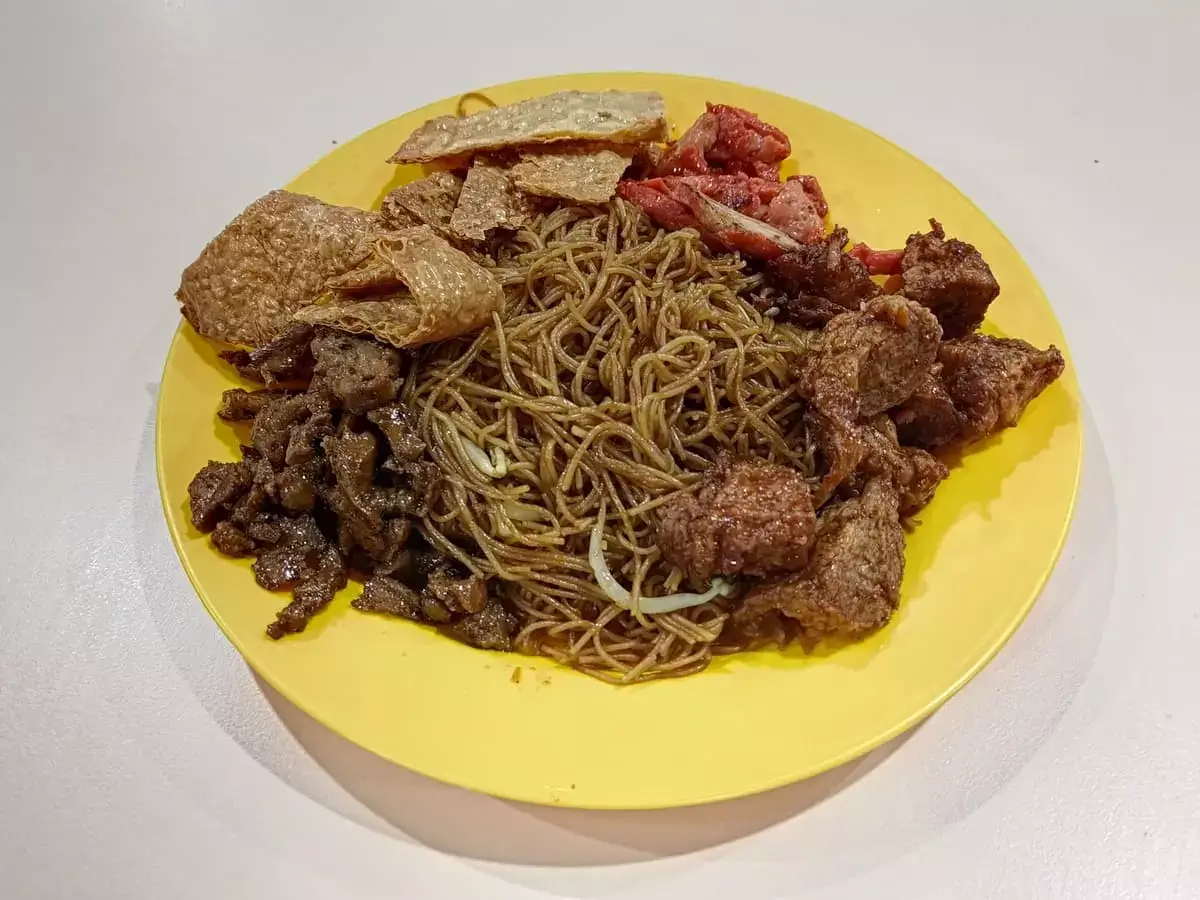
[
  {"x": 285, "y": 360},
  {"x": 332, "y": 479}
]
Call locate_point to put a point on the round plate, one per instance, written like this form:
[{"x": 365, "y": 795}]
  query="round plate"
[{"x": 528, "y": 729}]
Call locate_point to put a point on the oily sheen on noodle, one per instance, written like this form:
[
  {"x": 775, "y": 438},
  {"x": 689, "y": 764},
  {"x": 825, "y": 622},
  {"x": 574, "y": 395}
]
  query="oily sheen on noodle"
[{"x": 624, "y": 362}]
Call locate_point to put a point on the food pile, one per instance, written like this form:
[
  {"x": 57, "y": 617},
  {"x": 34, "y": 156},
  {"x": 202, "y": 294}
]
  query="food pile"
[{"x": 584, "y": 391}]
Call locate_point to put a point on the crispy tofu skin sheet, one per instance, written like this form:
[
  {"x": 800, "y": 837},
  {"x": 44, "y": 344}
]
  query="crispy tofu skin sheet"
[
  {"x": 489, "y": 200},
  {"x": 623, "y": 117},
  {"x": 445, "y": 293},
  {"x": 426, "y": 201},
  {"x": 271, "y": 261},
  {"x": 581, "y": 174}
]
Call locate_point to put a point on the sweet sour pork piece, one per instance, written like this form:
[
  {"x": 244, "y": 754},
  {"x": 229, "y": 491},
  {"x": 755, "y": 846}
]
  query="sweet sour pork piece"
[{"x": 748, "y": 516}]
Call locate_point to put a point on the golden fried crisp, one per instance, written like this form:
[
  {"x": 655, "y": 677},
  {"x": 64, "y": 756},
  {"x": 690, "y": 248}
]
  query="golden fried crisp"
[
  {"x": 489, "y": 200},
  {"x": 426, "y": 201},
  {"x": 582, "y": 174},
  {"x": 446, "y": 293},
  {"x": 270, "y": 261},
  {"x": 620, "y": 117}
]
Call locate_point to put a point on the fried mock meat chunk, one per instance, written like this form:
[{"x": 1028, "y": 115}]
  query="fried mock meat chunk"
[
  {"x": 915, "y": 473},
  {"x": 871, "y": 360},
  {"x": 270, "y": 261},
  {"x": 865, "y": 363},
  {"x": 748, "y": 516},
  {"x": 992, "y": 380},
  {"x": 852, "y": 581},
  {"x": 928, "y": 418},
  {"x": 950, "y": 277},
  {"x": 823, "y": 280}
]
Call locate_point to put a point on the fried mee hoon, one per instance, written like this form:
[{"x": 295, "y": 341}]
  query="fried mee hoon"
[{"x": 583, "y": 394}]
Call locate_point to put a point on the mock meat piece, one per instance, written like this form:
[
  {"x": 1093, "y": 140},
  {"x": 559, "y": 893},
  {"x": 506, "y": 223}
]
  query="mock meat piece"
[
  {"x": 748, "y": 516},
  {"x": 950, "y": 277},
  {"x": 914, "y": 472},
  {"x": 316, "y": 589},
  {"x": 824, "y": 270},
  {"x": 928, "y": 418},
  {"x": 216, "y": 490},
  {"x": 852, "y": 581},
  {"x": 869, "y": 361},
  {"x": 285, "y": 359},
  {"x": 491, "y": 628},
  {"x": 730, "y": 140},
  {"x": 361, "y": 374},
  {"x": 992, "y": 380}
]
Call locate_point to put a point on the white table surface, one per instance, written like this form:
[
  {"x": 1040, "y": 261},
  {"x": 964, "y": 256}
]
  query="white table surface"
[{"x": 139, "y": 758}]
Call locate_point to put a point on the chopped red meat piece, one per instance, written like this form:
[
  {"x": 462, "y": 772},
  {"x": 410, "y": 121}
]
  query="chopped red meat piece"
[
  {"x": 666, "y": 203},
  {"x": 688, "y": 154},
  {"x": 733, "y": 230},
  {"x": 796, "y": 212},
  {"x": 746, "y": 144},
  {"x": 812, "y": 187},
  {"x": 657, "y": 199},
  {"x": 793, "y": 207},
  {"x": 728, "y": 140},
  {"x": 878, "y": 262}
]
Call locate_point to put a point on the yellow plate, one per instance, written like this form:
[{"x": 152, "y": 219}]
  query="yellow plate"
[{"x": 753, "y": 721}]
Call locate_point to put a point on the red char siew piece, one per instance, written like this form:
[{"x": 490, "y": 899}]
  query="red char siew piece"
[
  {"x": 795, "y": 207},
  {"x": 878, "y": 262},
  {"x": 732, "y": 230},
  {"x": 726, "y": 139}
]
